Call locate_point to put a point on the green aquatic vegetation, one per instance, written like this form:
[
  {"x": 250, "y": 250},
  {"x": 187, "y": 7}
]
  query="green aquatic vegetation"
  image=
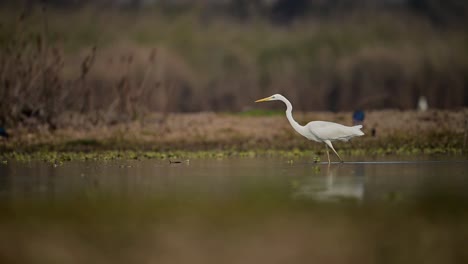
[
  {"x": 58, "y": 157},
  {"x": 316, "y": 169}
]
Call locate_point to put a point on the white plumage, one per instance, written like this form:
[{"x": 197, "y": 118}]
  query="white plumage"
[
  {"x": 319, "y": 131},
  {"x": 332, "y": 131}
]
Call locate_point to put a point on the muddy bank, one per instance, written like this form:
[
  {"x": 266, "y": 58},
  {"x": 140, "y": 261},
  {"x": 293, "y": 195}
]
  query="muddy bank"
[{"x": 395, "y": 131}]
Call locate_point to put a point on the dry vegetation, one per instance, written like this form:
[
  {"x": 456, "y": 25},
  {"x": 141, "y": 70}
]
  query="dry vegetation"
[
  {"x": 404, "y": 131},
  {"x": 113, "y": 67},
  {"x": 85, "y": 79}
]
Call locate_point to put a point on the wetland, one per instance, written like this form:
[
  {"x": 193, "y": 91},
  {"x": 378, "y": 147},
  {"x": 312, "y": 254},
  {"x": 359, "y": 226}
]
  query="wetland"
[{"x": 370, "y": 209}]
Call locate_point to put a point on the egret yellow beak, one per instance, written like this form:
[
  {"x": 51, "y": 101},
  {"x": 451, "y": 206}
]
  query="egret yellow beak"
[{"x": 263, "y": 99}]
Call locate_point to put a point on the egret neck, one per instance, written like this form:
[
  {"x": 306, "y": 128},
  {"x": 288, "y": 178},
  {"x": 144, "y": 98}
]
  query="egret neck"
[{"x": 294, "y": 124}]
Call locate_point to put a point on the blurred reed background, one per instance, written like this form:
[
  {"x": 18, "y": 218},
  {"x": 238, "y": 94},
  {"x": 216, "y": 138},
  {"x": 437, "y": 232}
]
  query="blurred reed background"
[{"x": 110, "y": 61}]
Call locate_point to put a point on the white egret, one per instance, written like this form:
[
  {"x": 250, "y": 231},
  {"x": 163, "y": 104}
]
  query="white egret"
[{"x": 319, "y": 131}]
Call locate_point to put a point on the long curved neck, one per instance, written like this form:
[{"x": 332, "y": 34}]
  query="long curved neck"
[{"x": 291, "y": 120}]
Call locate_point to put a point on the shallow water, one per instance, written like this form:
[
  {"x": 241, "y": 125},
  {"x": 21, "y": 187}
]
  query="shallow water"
[
  {"x": 392, "y": 178},
  {"x": 243, "y": 210}
]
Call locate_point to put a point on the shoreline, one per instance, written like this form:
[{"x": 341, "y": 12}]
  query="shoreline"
[{"x": 398, "y": 132}]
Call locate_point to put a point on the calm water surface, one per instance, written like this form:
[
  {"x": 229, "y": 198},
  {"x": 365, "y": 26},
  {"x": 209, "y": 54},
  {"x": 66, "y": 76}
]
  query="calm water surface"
[
  {"x": 245, "y": 210},
  {"x": 392, "y": 178}
]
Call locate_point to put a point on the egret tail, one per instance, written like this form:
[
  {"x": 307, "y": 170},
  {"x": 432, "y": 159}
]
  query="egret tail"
[{"x": 357, "y": 130}]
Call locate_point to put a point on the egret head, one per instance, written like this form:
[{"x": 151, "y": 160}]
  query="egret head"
[{"x": 274, "y": 97}]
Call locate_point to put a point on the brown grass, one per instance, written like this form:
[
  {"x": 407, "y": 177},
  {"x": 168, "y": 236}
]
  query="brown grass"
[{"x": 395, "y": 129}]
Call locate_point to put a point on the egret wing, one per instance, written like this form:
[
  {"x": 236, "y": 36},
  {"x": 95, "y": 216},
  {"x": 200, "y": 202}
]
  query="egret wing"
[{"x": 331, "y": 131}]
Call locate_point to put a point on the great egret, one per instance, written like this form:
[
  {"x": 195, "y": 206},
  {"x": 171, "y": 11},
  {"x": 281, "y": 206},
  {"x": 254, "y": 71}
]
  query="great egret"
[{"x": 319, "y": 131}]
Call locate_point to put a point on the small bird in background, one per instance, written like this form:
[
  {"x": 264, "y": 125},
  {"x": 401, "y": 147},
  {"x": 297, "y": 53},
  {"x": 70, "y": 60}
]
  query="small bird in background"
[
  {"x": 358, "y": 117},
  {"x": 319, "y": 131},
  {"x": 422, "y": 104},
  {"x": 3, "y": 133}
]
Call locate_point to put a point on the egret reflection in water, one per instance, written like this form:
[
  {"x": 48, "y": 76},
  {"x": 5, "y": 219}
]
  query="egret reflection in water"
[
  {"x": 333, "y": 185},
  {"x": 383, "y": 180}
]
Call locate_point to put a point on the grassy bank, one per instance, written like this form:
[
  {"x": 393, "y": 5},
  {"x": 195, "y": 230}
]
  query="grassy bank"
[{"x": 224, "y": 135}]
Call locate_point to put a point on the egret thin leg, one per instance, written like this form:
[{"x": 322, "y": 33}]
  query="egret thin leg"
[
  {"x": 328, "y": 155},
  {"x": 328, "y": 142}
]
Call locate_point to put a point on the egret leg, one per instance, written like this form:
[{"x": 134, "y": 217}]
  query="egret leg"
[
  {"x": 328, "y": 142},
  {"x": 328, "y": 155}
]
